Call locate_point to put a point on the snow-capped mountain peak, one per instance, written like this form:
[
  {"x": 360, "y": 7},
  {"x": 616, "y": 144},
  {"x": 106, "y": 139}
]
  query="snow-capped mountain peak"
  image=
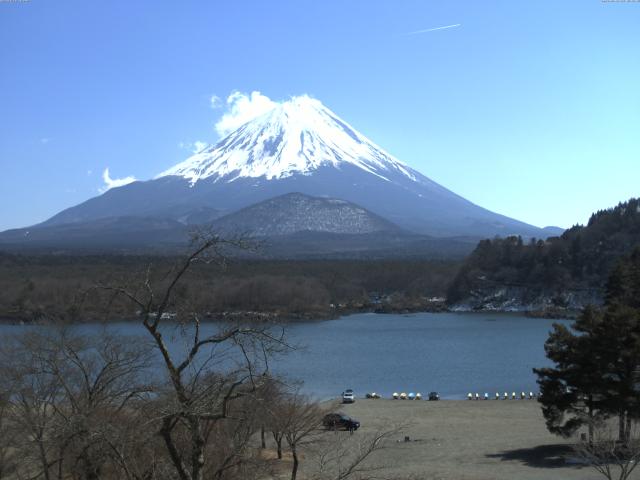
[
  {"x": 295, "y": 146},
  {"x": 295, "y": 137}
]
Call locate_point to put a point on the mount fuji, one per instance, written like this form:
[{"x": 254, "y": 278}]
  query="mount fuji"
[{"x": 299, "y": 146}]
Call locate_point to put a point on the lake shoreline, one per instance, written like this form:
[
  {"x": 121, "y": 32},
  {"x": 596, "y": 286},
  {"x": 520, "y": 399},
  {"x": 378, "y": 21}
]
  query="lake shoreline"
[{"x": 295, "y": 317}]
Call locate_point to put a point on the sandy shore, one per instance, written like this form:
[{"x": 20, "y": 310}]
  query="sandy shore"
[{"x": 470, "y": 440}]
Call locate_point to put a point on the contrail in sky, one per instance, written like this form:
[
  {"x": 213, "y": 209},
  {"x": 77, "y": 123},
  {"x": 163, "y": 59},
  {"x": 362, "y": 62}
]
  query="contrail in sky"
[{"x": 433, "y": 29}]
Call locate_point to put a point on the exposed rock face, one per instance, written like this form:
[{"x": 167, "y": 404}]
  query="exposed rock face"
[{"x": 520, "y": 299}]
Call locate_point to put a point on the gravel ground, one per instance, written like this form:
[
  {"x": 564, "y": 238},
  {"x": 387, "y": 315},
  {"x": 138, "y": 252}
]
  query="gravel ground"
[{"x": 468, "y": 440}]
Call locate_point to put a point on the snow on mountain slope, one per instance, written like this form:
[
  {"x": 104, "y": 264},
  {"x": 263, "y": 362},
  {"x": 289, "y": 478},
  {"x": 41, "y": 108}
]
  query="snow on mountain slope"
[
  {"x": 298, "y": 146},
  {"x": 295, "y": 137}
]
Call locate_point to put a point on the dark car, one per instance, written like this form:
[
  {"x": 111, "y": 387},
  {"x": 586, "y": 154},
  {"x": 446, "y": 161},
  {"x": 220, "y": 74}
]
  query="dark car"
[
  {"x": 340, "y": 421},
  {"x": 434, "y": 396}
]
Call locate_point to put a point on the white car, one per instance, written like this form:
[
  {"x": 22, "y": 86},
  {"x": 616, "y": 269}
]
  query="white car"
[{"x": 348, "y": 396}]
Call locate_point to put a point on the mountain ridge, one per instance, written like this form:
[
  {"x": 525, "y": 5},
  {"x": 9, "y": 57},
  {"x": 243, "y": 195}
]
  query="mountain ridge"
[{"x": 298, "y": 146}]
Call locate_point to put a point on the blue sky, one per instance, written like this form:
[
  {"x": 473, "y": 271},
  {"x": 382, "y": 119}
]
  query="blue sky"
[{"x": 530, "y": 109}]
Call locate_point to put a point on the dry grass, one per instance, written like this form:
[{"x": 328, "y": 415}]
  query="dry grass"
[{"x": 471, "y": 440}]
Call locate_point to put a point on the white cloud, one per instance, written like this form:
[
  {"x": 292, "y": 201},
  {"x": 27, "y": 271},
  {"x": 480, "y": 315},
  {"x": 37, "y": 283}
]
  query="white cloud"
[
  {"x": 45, "y": 140},
  {"x": 216, "y": 102},
  {"x": 242, "y": 108},
  {"x": 198, "y": 145},
  {"x": 110, "y": 183},
  {"x": 195, "y": 147},
  {"x": 433, "y": 29},
  {"x": 89, "y": 173}
]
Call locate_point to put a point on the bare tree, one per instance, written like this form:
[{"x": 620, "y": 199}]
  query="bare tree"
[
  {"x": 298, "y": 421},
  {"x": 268, "y": 398},
  {"x": 278, "y": 435},
  {"x": 609, "y": 456},
  {"x": 217, "y": 369},
  {"x": 7, "y": 451},
  {"x": 349, "y": 456},
  {"x": 100, "y": 380},
  {"x": 69, "y": 401},
  {"x": 273, "y": 417},
  {"x": 31, "y": 396},
  {"x": 232, "y": 452}
]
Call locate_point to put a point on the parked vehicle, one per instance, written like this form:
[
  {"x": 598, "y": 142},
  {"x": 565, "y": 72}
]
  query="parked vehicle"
[
  {"x": 434, "y": 396},
  {"x": 348, "y": 396},
  {"x": 340, "y": 421}
]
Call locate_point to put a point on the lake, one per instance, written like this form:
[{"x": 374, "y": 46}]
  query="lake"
[{"x": 451, "y": 353}]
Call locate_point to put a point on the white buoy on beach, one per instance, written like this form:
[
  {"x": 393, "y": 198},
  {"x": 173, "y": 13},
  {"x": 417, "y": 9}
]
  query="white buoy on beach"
[{"x": 395, "y": 395}]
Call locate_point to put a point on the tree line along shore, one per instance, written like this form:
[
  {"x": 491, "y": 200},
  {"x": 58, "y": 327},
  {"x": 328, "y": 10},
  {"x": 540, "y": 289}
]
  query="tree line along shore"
[{"x": 37, "y": 288}]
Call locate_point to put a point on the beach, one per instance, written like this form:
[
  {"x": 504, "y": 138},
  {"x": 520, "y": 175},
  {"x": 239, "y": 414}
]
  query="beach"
[{"x": 467, "y": 440}]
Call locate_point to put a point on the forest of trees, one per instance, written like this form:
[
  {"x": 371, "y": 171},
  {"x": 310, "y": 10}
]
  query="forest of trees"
[
  {"x": 577, "y": 261},
  {"x": 40, "y": 287}
]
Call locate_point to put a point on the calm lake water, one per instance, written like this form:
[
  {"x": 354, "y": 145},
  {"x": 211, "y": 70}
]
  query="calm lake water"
[{"x": 452, "y": 353}]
